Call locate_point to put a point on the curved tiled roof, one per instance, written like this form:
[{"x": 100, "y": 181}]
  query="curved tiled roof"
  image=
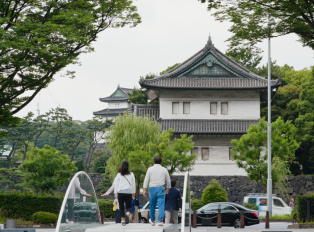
[
  {"x": 124, "y": 97},
  {"x": 111, "y": 112},
  {"x": 172, "y": 79},
  {"x": 195, "y": 126}
]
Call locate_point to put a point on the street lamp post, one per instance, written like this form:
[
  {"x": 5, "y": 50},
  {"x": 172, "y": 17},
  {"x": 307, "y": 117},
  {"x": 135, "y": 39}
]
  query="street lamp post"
[{"x": 269, "y": 180}]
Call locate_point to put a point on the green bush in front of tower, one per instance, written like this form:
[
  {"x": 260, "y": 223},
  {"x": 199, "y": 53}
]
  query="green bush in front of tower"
[{"x": 214, "y": 192}]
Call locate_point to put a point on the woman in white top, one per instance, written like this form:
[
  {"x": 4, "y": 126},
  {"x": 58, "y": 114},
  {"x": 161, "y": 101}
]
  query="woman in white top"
[{"x": 125, "y": 190}]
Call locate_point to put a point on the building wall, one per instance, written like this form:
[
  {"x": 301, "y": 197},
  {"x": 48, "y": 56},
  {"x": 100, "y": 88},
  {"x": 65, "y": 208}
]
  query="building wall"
[
  {"x": 219, "y": 161},
  {"x": 117, "y": 105},
  {"x": 241, "y": 104}
]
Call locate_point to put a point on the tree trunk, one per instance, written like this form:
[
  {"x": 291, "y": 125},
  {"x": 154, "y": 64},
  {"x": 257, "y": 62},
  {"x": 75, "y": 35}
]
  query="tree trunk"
[
  {"x": 55, "y": 143},
  {"x": 88, "y": 157},
  {"x": 35, "y": 142},
  {"x": 25, "y": 151},
  {"x": 138, "y": 189}
]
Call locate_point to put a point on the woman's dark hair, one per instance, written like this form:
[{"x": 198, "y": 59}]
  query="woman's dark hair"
[
  {"x": 119, "y": 170},
  {"x": 125, "y": 168}
]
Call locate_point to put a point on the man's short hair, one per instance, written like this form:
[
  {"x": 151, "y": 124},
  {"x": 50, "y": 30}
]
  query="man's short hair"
[
  {"x": 173, "y": 183},
  {"x": 157, "y": 160}
]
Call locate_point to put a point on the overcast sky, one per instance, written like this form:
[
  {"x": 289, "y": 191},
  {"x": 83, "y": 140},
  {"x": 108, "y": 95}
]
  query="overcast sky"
[{"x": 171, "y": 31}]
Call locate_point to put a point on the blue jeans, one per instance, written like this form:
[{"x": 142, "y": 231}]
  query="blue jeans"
[{"x": 157, "y": 195}]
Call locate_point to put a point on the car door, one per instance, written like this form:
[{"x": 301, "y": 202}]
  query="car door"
[
  {"x": 211, "y": 212},
  {"x": 228, "y": 213},
  {"x": 278, "y": 207},
  {"x": 262, "y": 206}
]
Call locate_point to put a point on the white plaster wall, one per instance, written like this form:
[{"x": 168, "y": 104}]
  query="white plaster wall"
[
  {"x": 115, "y": 105},
  {"x": 217, "y": 169},
  {"x": 241, "y": 104}
]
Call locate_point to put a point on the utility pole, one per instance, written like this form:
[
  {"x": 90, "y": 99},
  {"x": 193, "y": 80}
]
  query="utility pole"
[{"x": 269, "y": 179}]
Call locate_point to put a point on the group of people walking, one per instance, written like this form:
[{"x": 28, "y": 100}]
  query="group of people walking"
[{"x": 162, "y": 192}]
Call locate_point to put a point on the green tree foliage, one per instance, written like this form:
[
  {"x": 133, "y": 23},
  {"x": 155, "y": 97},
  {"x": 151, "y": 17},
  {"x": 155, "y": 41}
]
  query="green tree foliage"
[
  {"x": 280, "y": 104},
  {"x": 137, "y": 96},
  {"x": 138, "y": 140},
  {"x": 11, "y": 178},
  {"x": 61, "y": 126},
  {"x": 250, "y": 18},
  {"x": 249, "y": 151},
  {"x": 40, "y": 38},
  {"x": 105, "y": 183},
  {"x": 98, "y": 161},
  {"x": 214, "y": 192},
  {"x": 305, "y": 123},
  {"x": 46, "y": 170},
  {"x": 196, "y": 204},
  {"x": 169, "y": 68},
  {"x": 96, "y": 131},
  {"x": 131, "y": 134},
  {"x": 299, "y": 77},
  {"x": 44, "y": 217}
]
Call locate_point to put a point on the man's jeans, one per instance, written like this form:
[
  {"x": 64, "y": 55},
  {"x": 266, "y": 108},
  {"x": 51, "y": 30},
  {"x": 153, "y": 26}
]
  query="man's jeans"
[{"x": 157, "y": 195}]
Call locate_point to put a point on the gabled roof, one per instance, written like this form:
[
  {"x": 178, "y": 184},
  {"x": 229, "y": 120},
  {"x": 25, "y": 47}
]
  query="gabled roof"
[
  {"x": 121, "y": 94},
  {"x": 194, "y": 126},
  {"x": 111, "y": 112},
  {"x": 208, "y": 69}
]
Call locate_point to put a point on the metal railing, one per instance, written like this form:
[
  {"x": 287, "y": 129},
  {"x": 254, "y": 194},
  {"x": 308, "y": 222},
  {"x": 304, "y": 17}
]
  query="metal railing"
[{"x": 186, "y": 186}]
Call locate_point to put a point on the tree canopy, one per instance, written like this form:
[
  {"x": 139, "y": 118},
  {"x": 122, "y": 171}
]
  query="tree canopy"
[
  {"x": 46, "y": 170},
  {"x": 250, "y": 18},
  {"x": 138, "y": 139},
  {"x": 250, "y": 154},
  {"x": 40, "y": 38}
]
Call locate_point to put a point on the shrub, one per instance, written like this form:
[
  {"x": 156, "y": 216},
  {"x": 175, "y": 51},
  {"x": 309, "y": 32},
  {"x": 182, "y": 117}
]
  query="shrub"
[
  {"x": 196, "y": 204},
  {"x": 214, "y": 192},
  {"x": 301, "y": 207},
  {"x": 251, "y": 206},
  {"x": 294, "y": 213},
  {"x": 24, "y": 205},
  {"x": 44, "y": 217},
  {"x": 106, "y": 205}
]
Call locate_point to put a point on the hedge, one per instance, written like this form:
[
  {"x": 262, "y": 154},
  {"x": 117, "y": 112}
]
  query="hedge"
[
  {"x": 44, "y": 218},
  {"x": 196, "y": 204},
  {"x": 24, "y": 205},
  {"x": 301, "y": 207},
  {"x": 106, "y": 205}
]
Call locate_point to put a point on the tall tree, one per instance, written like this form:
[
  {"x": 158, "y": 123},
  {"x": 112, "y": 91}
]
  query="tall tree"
[
  {"x": 305, "y": 124},
  {"x": 96, "y": 131},
  {"x": 21, "y": 135},
  {"x": 46, "y": 170},
  {"x": 41, "y": 123},
  {"x": 138, "y": 139},
  {"x": 249, "y": 20},
  {"x": 249, "y": 150},
  {"x": 40, "y": 38},
  {"x": 71, "y": 142},
  {"x": 62, "y": 123}
]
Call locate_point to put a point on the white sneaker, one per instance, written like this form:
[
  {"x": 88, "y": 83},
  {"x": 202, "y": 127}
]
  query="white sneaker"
[
  {"x": 160, "y": 224},
  {"x": 151, "y": 222}
]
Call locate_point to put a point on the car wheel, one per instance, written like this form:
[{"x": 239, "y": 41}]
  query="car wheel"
[
  {"x": 142, "y": 220},
  {"x": 236, "y": 223}
]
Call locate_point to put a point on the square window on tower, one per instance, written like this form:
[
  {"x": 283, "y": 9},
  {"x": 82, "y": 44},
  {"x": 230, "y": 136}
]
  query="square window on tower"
[
  {"x": 213, "y": 108},
  {"x": 224, "y": 108},
  {"x": 205, "y": 154},
  {"x": 175, "y": 107},
  {"x": 186, "y": 107}
]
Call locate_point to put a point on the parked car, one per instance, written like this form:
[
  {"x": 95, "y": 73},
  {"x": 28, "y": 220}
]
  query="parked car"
[
  {"x": 230, "y": 215},
  {"x": 260, "y": 199},
  {"x": 144, "y": 213}
]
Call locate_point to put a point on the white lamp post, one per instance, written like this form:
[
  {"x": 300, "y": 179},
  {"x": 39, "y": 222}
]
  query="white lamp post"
[{"x": 269, "y": 180}]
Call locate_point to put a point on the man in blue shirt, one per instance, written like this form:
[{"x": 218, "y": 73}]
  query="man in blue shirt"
[{"x": 172, "y": 204}]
